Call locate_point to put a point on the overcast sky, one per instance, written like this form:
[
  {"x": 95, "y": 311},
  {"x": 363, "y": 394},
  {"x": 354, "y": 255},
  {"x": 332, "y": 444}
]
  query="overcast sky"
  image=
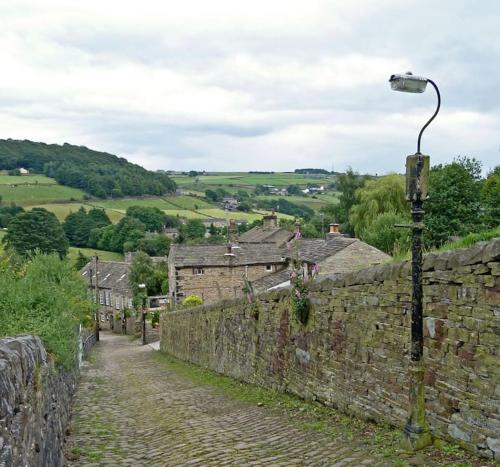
[{"x": 235, "y": 85}]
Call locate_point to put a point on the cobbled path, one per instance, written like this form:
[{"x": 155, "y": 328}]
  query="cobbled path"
[{"x": 130, "y": 410}]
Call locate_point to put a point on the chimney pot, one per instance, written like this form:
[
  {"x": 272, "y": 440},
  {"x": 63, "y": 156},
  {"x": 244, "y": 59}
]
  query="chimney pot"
[
  {"x": 270, "y": 220},
  {"x": 334, "y": 229}
]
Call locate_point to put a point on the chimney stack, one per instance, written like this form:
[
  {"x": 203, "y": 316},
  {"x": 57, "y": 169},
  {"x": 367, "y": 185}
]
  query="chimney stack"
[
  {"x": 270, "y": 221},
  {"x": 297, "y": 228},
  {"x": 232, "y": 231},
  {"x": 334, "y": 229}
]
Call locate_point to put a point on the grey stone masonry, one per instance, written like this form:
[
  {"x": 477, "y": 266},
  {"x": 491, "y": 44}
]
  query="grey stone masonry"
[{"x": 34, "y": 404}]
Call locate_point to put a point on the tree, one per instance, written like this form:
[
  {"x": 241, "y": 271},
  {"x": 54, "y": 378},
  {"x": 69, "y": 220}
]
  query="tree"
[
  {"x": 490, "y": 198},
  {"x": 77, "y": 228},
  {"x": 81, "y": 260},
  {"x": 172, "y": 221},
  {"x": 141, "y": 272},
  {"x": 126, "y": 234},
  {"x": 454, "y": 204},
  {"x": 347, "y": 184},
  {"x": 294, "y": 190},
  {"x": 98, "y": 218},
  {"x": 37, "y": 229},
  {"x": 155, "y": 245},
  {"x": 152, "y": 217},
  {"x": 7, "y": 213},
  {"x": 383, "y": 235},
  {"x": 378, "y": 196},
  {"x": 193, "y": 229}
]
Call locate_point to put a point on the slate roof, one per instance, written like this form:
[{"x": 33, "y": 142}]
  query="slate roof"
[
  {"x": 265, "y": 235},
  {"x": 316, "y": 250},
  {"x": 111, "y": 275},
  {"x": 271, "y": 280},
  {"x": 217, "y": 255}
]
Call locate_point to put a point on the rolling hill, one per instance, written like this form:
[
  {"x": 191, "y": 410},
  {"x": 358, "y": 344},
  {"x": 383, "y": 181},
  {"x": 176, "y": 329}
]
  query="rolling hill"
[{"x": 97, "y": 173}]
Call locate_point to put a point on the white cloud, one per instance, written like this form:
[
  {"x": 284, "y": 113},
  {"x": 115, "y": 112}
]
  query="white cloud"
[{"x": 234, "y": 85}]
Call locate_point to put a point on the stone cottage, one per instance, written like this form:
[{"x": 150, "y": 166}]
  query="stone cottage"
[
  {"x": 332, "y": 255},
  {"x": 216, "y": 272},
  {"x": 114, "y": 292}
]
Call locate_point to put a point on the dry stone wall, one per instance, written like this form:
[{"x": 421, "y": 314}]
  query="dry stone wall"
[
  {"x": 353, "y": 353},
  {"x": 34, "y": 404}
]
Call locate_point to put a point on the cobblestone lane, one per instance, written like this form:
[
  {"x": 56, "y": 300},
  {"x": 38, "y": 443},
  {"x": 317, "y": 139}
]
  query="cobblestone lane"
[{"x": 131, "y": 410}]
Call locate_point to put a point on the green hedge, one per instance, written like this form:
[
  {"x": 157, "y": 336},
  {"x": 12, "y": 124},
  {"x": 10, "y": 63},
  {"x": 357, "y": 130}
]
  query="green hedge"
[{"x": 46, "y": 297}]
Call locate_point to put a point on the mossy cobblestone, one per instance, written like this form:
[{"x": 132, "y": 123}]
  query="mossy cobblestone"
[{"x": 136, "y": 407}]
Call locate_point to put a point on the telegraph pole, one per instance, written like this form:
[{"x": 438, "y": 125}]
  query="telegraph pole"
[{"x": 97, "y": 313}]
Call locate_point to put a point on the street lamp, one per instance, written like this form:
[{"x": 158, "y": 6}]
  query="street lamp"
[
  {"x": 143, "y": 310},
  {"x": 417, "y": 179}
]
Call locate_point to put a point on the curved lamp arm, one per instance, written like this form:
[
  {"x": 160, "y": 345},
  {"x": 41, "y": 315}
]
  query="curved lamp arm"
[{"x": 433, "y": 117}]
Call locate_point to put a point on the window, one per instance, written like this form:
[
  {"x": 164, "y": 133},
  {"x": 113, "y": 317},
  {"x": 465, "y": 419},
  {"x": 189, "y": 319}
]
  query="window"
[
  {"x": 269, "y": 267},
  {"x": 101, "y": 297},
  {"x": 117, "y": 302},
  {"x": 107, "y": 295},
  {"x": 198, "y": 271}
]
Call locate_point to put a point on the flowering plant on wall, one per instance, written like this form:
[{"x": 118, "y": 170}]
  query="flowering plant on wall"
[{"x": 299, "y": 279}]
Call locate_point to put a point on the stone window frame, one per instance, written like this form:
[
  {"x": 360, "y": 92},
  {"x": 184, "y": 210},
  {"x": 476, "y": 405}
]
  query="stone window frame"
[
  {"x": 198, "y": 271},
  {"x": 269, "y": 268}
]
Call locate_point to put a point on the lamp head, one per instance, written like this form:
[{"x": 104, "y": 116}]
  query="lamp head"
[{"x": 408, "y": 83}]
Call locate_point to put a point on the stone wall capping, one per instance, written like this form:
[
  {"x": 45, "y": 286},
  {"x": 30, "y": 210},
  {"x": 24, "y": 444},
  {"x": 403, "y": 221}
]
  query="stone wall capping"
[{"x": 491, "y": 251}]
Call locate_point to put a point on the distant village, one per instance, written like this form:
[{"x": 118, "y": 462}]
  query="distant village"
[{"x": 260, "y": 257}]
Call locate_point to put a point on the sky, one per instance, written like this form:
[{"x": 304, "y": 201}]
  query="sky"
[{"x": 232, "y": 85}]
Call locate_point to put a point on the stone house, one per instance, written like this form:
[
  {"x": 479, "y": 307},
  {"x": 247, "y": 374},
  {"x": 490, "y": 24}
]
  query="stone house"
[
  {"x": 114, "y": 292},
  {"x": 332, "y": 255},
  {"x": 217, "y": 272},
  {"x": 229, "y": 203},
  {"x": 269, "y": 232},
  {"x": 170, "y": 232}
]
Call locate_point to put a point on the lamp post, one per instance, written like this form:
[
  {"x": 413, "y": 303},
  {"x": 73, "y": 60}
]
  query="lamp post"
[
  {"x": 143, "y": 311},
  {"x": 416, "y": 430}
]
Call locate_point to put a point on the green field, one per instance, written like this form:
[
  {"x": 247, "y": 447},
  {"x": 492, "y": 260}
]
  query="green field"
[
  {"x": 89, "y": 252},
  {"x": 26, "y": 180},
  {"x": 247, "y": 180},
  {"x": 73, "y": 252},
  {"x": 61, "y": 210},
  {"x": 313, "y": 203},
  {"x": 40, "y": 191},
  {"x": 29, "y": 195}
]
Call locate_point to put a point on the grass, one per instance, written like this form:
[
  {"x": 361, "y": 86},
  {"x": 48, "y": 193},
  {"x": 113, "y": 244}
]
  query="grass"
[
  {"x": 103, "y": 255},
  {"x": 378, "y": 438},
  {"x": 471, "y": 239},
  {"x": 247, "y": 179},
  {"x": 29, "y": 195},
  {"x": 26, "y": 180},
  {"x": 465, "y": 242},
  {"x": 313, "y": 203}
]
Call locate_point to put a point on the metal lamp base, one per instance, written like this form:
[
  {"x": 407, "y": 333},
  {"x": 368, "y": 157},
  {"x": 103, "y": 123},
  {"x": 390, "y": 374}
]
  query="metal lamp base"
[{"x": 416, "y": 430}]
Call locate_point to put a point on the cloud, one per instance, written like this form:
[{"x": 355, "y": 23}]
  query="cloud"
[{"x": 233, "y": 85}]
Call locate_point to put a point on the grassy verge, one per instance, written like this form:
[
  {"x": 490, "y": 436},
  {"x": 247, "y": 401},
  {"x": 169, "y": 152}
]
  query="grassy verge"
[
  {"x": 380, "y": 440},
  {"x": 465, "y": 242}
]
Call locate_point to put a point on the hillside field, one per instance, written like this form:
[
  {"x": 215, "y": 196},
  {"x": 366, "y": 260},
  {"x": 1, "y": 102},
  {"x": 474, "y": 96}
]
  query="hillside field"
[
  {"x": 233, "y": 181},
  {"x": 41, "y": 191},
  {"x": 35, "y": 189},
  {"x": 73, "y": 252}
]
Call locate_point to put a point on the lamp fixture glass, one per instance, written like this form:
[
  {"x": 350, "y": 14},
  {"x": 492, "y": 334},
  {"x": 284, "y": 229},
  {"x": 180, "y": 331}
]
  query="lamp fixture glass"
[{"x": 408, "y": 83}]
